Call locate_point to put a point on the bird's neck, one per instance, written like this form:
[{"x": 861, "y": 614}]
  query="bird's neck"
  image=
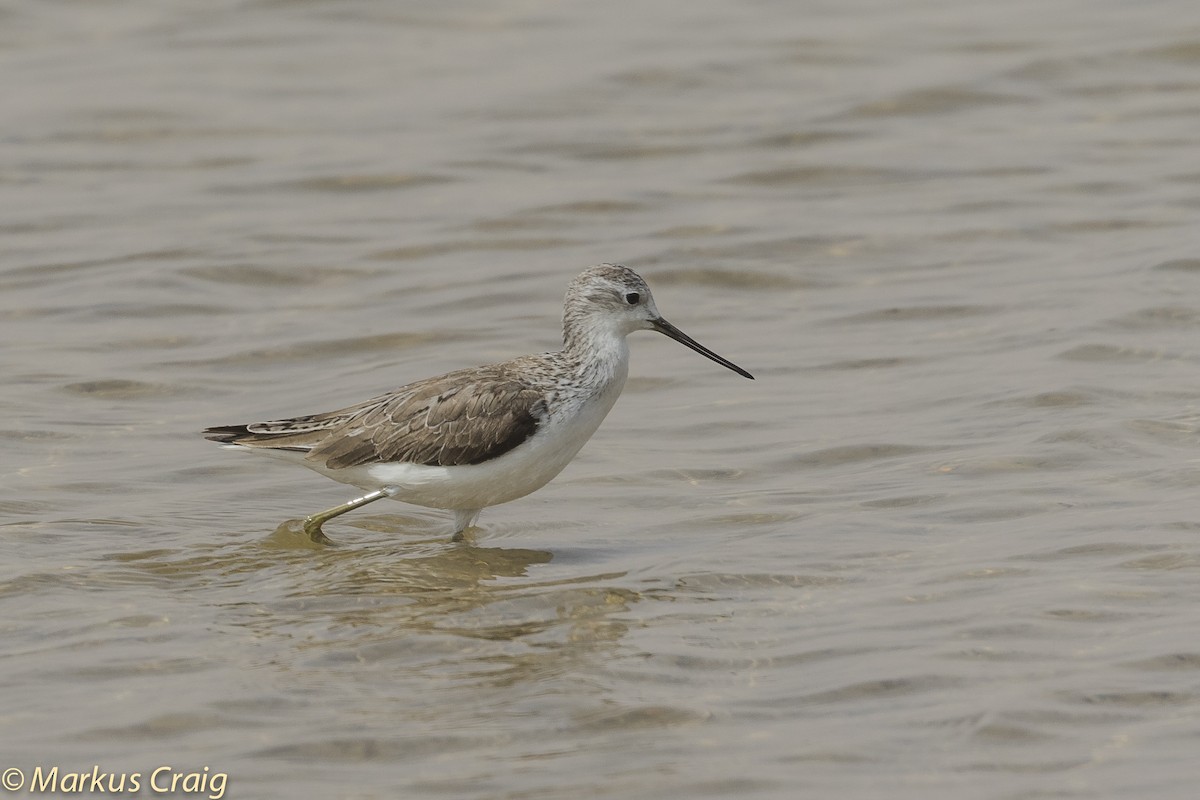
[{"x": 600, "y": 355}]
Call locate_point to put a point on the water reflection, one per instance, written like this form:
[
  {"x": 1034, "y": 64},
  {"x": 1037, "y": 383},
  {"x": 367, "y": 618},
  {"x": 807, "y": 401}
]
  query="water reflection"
[
  {"x": 451, "y": 610},
  {"x": 409, "y": 600}
]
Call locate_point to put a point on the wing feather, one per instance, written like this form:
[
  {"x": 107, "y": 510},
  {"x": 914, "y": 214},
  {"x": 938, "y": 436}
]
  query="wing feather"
[{"x": 464, "y": 417}]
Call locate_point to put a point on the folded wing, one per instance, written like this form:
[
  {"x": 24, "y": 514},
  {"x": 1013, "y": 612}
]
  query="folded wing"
[{"x": 464, "y": 417}]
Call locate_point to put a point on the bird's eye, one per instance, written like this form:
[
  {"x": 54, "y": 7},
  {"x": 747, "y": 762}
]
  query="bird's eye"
[{"x": 632, "y": 298}]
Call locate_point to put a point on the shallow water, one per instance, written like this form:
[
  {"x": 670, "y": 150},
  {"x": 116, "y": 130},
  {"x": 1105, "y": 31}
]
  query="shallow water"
[{"x": 946, "y": 545}]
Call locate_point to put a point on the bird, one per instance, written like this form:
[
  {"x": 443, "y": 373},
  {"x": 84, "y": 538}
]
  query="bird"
[{"x": 481, "y": 436}]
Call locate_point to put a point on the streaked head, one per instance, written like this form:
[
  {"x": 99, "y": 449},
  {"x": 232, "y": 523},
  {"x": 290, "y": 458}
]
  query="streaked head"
[{"x": 616, "y": 298}]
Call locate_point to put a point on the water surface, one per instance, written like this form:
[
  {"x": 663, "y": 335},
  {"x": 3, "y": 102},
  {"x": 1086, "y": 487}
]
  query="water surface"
[{"x": 944, "y": 546}]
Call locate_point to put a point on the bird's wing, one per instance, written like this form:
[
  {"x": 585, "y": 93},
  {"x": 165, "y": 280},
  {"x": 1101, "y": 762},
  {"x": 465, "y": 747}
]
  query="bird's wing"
[{"x": 463, "y": 417}]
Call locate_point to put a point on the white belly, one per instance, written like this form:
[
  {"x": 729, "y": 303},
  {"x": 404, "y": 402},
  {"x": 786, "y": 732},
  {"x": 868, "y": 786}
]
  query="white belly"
[{"x": 524, "y": 469}]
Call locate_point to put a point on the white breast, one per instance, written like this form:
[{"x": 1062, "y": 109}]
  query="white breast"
[
  {"x": 570, "y": 421},
  {"x": 524, "y": 469}
]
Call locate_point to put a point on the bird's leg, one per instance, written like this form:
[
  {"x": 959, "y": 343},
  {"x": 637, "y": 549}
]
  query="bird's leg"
[
  {"x": 313, "y": 522},
  {"x": 463, "y": 519}
]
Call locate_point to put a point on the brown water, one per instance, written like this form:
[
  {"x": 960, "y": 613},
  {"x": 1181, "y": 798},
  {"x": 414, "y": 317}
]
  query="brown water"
[{"x": 947, "y": 545}]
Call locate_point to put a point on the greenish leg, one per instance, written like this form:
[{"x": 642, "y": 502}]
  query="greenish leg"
[{"x": 313, "y": 523}]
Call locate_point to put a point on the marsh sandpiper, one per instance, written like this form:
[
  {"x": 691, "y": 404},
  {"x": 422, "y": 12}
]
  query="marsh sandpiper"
[{"x": 478, "y": 437}]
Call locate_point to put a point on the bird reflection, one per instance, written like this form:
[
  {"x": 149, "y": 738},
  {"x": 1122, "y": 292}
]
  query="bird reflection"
[
  {"x": 425, "y": 584},
  {"x": 416, "y": 565}
]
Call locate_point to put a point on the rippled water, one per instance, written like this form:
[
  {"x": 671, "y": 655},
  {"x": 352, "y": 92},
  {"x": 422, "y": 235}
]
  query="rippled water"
[{"x": 946, "y": 545}]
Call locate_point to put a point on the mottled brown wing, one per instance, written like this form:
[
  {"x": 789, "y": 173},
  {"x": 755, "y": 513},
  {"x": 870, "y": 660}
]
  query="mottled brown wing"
[{"x": 465, "y": 417}]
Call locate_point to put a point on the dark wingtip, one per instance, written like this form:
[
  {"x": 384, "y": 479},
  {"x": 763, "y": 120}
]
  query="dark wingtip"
[{"x": 226, "y": 434}]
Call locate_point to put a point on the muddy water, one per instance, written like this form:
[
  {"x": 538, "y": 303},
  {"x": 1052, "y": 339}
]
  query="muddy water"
[{"x": 946, "y": 545}]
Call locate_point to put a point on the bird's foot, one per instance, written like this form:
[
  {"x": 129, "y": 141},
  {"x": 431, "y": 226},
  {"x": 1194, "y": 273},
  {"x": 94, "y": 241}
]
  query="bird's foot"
[
  {"x": 464, "y": 520},
  {"x": 312, "y": 527},
  {"x": 466, "y": 534}
]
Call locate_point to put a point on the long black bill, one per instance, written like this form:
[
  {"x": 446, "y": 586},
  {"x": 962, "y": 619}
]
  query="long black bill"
[{"x": 662, "y": 326}]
